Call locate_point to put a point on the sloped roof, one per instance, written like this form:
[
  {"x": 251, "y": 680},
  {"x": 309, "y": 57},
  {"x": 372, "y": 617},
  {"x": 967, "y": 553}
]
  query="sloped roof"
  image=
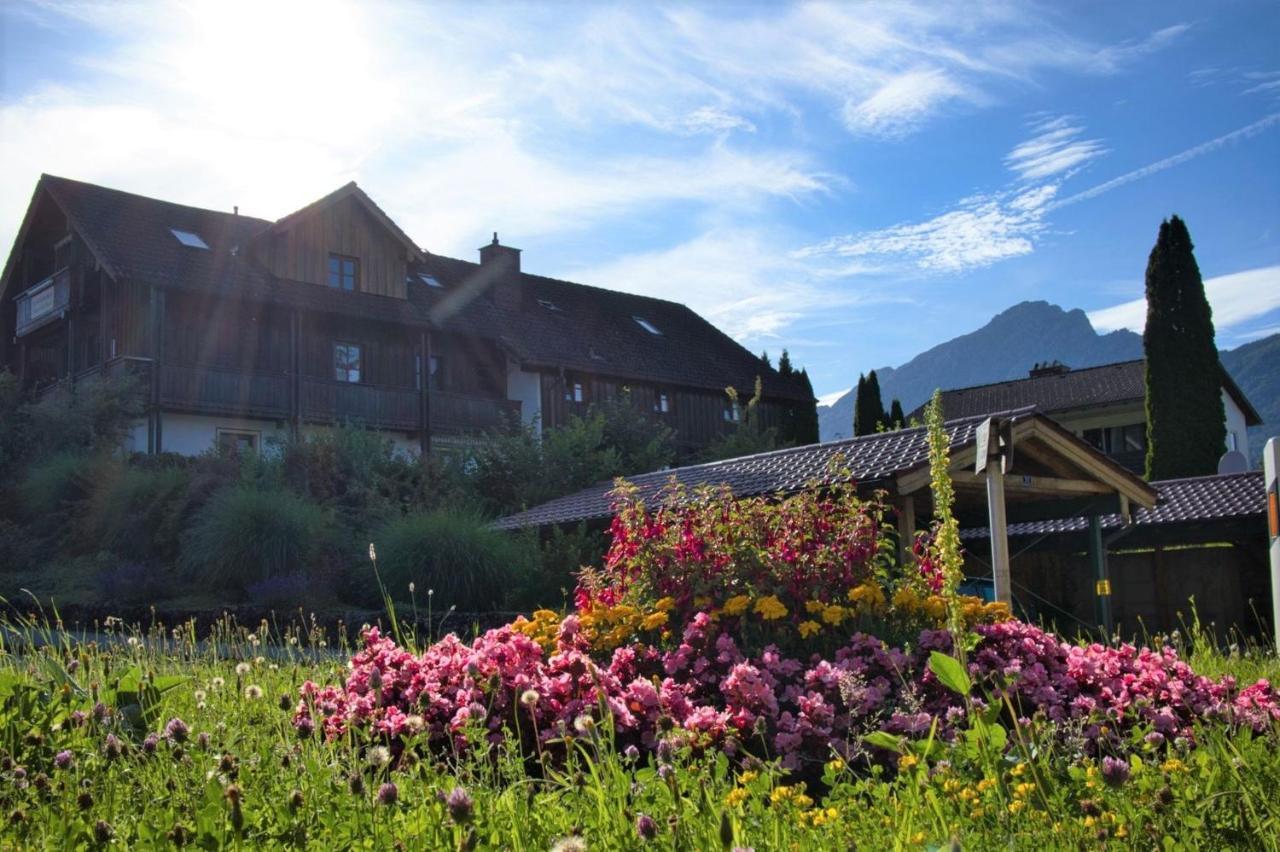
[
  {"x": 1087, "y": 387},
  {"x": 867, "y": 459},
  {"x": 594, "y": 332},
  {"x": 1182, "y": 501},
  {"x": 353, "y": 191}
]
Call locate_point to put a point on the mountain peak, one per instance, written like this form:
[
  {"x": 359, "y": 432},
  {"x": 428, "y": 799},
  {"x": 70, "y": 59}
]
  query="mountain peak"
[{"x": 1007, "y": 347}]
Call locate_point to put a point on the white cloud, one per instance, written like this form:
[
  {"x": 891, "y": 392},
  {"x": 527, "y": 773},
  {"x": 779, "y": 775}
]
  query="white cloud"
[
  {"x": 743, "y": 280},
  {"x": 1056, "y": 147},
  {"x": 902, "y": 102},
  {"x": 981, "y": 230},
  {"x": 1235, "y": 298}
]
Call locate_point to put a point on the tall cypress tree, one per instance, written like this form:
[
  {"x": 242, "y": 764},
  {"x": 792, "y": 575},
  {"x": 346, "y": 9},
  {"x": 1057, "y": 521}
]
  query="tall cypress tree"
[
  {"x": 896, "y": 418},
  {"x": 1186, "y": 428},
  {"x": 764, "y": 356},
  {"x": 860, "y": 426},
  {"x": 875, "y": 405}
]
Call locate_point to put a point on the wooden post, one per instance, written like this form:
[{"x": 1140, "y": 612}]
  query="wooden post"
[
  {"x": 295, "y": 385},
  {"x": 424, "y": 390},
  {"x": 155, "y": 437},
  {"x": 999, "y": 531},
  {"x": 102, "y": 323},
  {"x": 1271, "y": 471},
  {"x": 1102, "y": 582},
  {"x": 906, "y": 510}
]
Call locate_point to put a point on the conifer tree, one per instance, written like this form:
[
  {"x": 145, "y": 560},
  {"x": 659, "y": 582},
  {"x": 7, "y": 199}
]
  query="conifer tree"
[
  {"x": 806, "y": 426},
  {"x": 764, "y": 356},
  {"x": 875, "y": 405},
  {"x": 784, "y": 364},
  {"x": 1186, "y": 429},
  {"x": 860, "y": 426},
  {"x": 896, "y": 418}
]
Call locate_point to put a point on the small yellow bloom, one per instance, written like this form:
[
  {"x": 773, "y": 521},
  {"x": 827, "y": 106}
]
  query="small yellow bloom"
[
  {"x": 906, "y": 599},
  {"x": 835, "y": 765},
  {"x": 736, "y": 797},
  {"x": 812, "y": 607},
  {"x": 802, "y": 801},
  {"x": 935, "y": 606},
  {"x": 665, "y": 604},
  {"x": 918, "y": 838},
  {"x": 907, "y": 761},
  {"x": 808, "y": 628},
  {"x": 748, "y": 776},
  {"x": 1016, "y": 805},
  {"x": 834, "y": 614},
  {"x": 770, "y": 608},
  {"x": 1018, "y": 770},
  {"x": 736, "y": 605},
  {"x": 655, "y": 620}
]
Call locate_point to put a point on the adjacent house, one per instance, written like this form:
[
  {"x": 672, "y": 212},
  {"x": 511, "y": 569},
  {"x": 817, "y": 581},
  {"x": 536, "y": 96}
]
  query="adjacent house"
[
  {"x": 242, "y": 329},
  {"x": 1106, "y": 406}
]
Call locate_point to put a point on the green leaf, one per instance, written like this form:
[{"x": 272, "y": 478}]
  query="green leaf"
[
  {"x": 950, "y": 672},
  {"x": 885, "y": 740}
]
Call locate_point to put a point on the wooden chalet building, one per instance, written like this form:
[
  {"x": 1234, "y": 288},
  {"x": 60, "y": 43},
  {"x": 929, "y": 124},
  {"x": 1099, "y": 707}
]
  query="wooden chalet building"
[{"x": 243, "y": 329}]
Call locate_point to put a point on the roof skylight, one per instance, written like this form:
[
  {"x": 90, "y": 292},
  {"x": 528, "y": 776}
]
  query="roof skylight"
[
  {"x": 429, "y": 280},
  {"x": 189, "y": 239},
  {"x": 646, "y": 325}
]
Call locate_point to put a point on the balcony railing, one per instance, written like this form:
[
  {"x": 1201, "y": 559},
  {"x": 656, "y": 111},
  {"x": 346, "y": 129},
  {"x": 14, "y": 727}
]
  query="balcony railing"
[
  {"x": 224, "y": 390},
  {"x": 455, "y": 412},
  {"x": 43, "y": 302},
  {"x": 371, "y": 405}
]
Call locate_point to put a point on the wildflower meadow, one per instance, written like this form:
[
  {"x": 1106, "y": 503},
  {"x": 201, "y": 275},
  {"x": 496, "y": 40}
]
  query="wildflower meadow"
[{"x": 735, "y": 674}]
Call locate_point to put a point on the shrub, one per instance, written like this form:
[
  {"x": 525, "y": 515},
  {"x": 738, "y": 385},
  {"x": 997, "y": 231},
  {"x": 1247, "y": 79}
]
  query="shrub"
[
  {"x": 96, "y": 413},
  {"x": 455, "y": 553},
  {"x": 53, "y": 482},
  {"x": 246, "y": 534},
  {"x": 131, "y": 511}
]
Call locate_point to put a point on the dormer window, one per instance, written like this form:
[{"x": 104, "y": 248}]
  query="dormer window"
[
  {"x": 344, "y": 272},
  {"x": 647, "y": 326},
  {"x": 430, "y": 280},
  {"x": 189, "y": 239}
]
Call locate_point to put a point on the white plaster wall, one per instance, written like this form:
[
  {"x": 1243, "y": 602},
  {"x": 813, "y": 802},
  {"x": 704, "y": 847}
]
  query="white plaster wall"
[
  {"x": 136, "y": 440},
  {"x": 527, "y": 388},
  {"x": 1235, "y": 425},
  {"x": 193, "y": 434}
]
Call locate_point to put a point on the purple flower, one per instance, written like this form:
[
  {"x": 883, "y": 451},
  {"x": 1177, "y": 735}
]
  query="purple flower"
[
  {"x": 64, "y": 759},
  {"x": 646, "y": 827},
  {"x": 1115, "y": 771},
  {"x": 112, "y": 747},
  {"x": 631, "y": 753},
  {"x": 149, "y": 744},
  {"x": 176, "y": 730},
  {"x": 388, "y": 793},
  {"x": 459, "y": 804}
]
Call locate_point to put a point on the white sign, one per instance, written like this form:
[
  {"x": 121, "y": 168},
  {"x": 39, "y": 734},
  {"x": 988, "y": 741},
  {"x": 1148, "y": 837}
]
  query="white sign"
[{"x": 41, "y": 303}]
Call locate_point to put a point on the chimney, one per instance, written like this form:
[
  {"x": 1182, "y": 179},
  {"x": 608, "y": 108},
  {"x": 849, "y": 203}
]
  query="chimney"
[
  {"x": 1049, "y": 368},
  {"x": 502, "y": 263}
]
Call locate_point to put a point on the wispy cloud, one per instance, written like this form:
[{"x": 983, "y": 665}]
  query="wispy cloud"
[
  {"x": 902, "y": 102},
  {"x": 981, "y": 230},
  {"x": 1056, "y": 147},
  {"x": 1235, "y": 299}
]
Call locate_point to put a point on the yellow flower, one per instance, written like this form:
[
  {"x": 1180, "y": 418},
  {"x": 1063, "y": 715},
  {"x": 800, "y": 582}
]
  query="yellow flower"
[
  {"x": 748, "y": 776},
  {"x": 665, "y": 604},
  {"x": 1023, "y": 790},
  {"x": 835, "y": 765},
  {"x": 935, "y": 606},
  {"x": 737, "y": 605},
  {"x": 701, "y": 602},
  {"x": 834, "y": 614},
  {"x": 1017, "y": 770},
  {"x": 736, "y": 797},
  {"x": 654, "y": 620},
  {"x": 918, "y": 838},
  {"x": 803, "y": 802},
  {"x": 868, "y": 597},
  {"x": 1173, "y": 765},
  {"x": 906, "y": 599},
  {"x": 770, "y": 608},
  {"x": 986, "y": 784},
  {"x": 812, "y": 607},
  {"x": 907, "y": 761},
  {"x": 1016, "y": 805},
  {"x": 808, "y": 628}
]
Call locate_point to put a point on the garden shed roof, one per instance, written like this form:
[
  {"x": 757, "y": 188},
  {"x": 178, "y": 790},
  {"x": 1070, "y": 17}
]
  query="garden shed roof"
[{"x": 1053, "y": 462}]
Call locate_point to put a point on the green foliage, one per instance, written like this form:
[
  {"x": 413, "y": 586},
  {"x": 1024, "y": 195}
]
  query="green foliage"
[
  {"x": 1186, "y": 430},
  {"x": 247, "y": 534},
  {"x": 96, "y": 413},
  {"x": 455, "y": 554},
  {"x": 54, "y": 482},
  {"x": 748, "y": 436},
  {"x": 134, "y": 511},
  {"x": 897, "y": 419},
  {"x": 868, "y": 407}
]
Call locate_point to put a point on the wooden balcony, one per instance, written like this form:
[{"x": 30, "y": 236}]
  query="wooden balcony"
[
  {"x": 455, "y": 412},
  {"x": 369, "y": 405},
  {"x": 43, "y": 302},
  {"x": 221, "y": 390}
]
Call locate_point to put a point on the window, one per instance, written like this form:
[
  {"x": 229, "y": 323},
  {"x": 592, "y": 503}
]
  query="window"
[
  {"x": 1233, "y": 443},
  {"x": 662, "y": 404},
  {"x": 1133, "y": 438},
  {"x": 437, "y": 372},
  {"x": 732, "y": 411},
  {"x": 344, "y": 272},
  {"x": 573, "y": 392},
  {"x": 430, "y": 280},
  {"x": 346, "y": 362},
  {"x": 189, "y": 239},
  {"x": 1096, "y": 438},
  {"x": 646, "y": 325},
  {"x": 235, "y": 441}
]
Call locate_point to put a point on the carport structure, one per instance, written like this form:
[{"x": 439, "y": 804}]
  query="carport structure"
[{"x": 1008, "y": 467}]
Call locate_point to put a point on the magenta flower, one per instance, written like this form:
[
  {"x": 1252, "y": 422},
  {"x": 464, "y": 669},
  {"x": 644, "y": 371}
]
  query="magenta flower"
[
  {"x": 646, "y": 827},
  {"x": 64, "y": 759},
  {"x": 388, "y": 793},
  {"x": 460, "y": 805}
]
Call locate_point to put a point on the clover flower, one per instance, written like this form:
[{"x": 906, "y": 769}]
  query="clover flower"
[
  {"x": 646, "y": 828},
  {"x": 388, "y": 793},
  {"x": 176, "y": 730},
  {"x": 460, "y": 805},
  {"x": 64, "y": 759}
]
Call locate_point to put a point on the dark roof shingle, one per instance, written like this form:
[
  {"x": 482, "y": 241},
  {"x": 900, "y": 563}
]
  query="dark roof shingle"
[
  {"x": 1110, "y": 384},
  {"x": 1182, "y": 501}
]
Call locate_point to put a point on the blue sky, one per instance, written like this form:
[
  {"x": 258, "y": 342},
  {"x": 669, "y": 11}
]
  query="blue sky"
[{"x": 853, "y": 182}]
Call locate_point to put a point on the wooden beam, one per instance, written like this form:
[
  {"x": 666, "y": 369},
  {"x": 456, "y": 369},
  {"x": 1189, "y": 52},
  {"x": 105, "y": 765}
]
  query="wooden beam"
[
  {"x": 1055, "y": 464},
  {"x": 1040, "y": 484},
  {"x": 999, "y": 533}
]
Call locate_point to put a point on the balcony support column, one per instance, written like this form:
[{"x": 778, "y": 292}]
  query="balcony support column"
[
  {"x": 295, "y": 384},
  {"x": 155, "y": 436},
  {"x": 424, "y": 392}
]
